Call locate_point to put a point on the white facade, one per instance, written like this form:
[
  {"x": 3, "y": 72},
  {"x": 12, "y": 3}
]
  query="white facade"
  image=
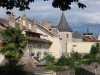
[
  {"x": 81, "y": 47},
  {"x": 64, "y": 38},
  {"x": 63, "y": 42},
  {"x": 77, "y": 40},
  {"x": 54, "y": 49}
]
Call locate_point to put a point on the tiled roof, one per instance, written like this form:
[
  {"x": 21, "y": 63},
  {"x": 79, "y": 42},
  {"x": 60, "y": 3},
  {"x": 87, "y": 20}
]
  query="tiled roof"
[
  {"x": 63, "y": 25},
  {"x": 90, "y": 39},
  {"x": 4, "y": 22},
  {"x": 38, "y": 25},
  {"x": 76, "y": 35},
  {"x": 29, "y": 31},
  {"x": 41, "y": 27},
  {"x": 39, "y": 40}
]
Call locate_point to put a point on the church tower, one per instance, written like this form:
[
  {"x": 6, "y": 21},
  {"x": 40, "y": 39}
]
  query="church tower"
[{"x": 65, "y": 33}]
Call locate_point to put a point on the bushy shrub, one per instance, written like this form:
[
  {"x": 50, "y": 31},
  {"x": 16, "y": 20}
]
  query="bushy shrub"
[
  {"x": 63, "y": 61},
  {"x": 92, "y": 58},
  {"x": 86, "y": 56},
  {"x": 73, "y": 61},
  {"x": 54, "y": 68},
  {"x": 98, "y": 58},
  {"x": 49, "y": 58},
  {"x": 75, "y": 56},
  {"x": 94, "y": 50}
]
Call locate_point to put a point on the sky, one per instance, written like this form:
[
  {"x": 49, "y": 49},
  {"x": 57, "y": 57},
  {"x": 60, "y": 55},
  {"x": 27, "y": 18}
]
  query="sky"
[{"x": 78, "y": 19}]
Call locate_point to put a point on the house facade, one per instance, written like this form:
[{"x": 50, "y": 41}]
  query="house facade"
[
  {"x": 44, "y": 38},
  {"x": 51, "y": 44}
]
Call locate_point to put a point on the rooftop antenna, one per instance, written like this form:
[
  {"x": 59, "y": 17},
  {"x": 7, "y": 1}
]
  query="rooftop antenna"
[{"x": 87, "y": 30}]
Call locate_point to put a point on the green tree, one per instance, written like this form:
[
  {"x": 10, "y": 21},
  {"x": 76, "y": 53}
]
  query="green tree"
[
  {"x": 63, "y": 61},
  {"x": 49, "y": 58},
  {"x": 95, "y": 49},
  {"x": 93, "y": 56},
  {"x": 76, "y": 60},
  {"x": 75, "y": 55},
  {"x": 24, "y": 4},
  {"x": 14, "y": 43}
]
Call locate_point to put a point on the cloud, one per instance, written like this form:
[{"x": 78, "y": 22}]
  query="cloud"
[{"x": 43, "y": 10}]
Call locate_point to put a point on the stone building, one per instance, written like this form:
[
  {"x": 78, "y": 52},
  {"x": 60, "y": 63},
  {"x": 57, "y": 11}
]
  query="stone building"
[{"x": 44, "y": 38}]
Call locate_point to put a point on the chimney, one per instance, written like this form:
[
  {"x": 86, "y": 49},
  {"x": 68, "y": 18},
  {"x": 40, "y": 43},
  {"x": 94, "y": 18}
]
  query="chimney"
[
  {"x": 46, "y": 24},
  {"x": 11, "y": 19},
  {"x": 24, "y": 16}
]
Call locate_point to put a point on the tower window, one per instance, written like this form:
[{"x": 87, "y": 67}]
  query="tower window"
[{"x": 67, "y": 36}]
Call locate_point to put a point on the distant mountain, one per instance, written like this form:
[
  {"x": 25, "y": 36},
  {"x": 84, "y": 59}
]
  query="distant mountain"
[{"x": 93, "y": 28}]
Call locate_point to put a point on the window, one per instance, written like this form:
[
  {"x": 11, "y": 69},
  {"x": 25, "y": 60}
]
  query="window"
[
  {"x": 74, "y": 45},
  {"x": 60, "y": 38},
  {"x": 67, "y": 36},
  {"x": 44, "y": 37}
]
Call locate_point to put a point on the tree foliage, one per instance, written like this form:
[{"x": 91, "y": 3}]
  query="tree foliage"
[
  {"x": 24, "y": 4},
  {"x": 63, "y": 61},
  {"x": 93, "y": 56},
  {"x": 14, "y": 42},
  {"x": 95, "y": 49},
  {"x": 21, "y": 4},
  {"x": 75, "y": 55},
  {"x": 49, "y": 58},
  {"x": 73, "y": 61},
  {"x": 65, "y": 4}
]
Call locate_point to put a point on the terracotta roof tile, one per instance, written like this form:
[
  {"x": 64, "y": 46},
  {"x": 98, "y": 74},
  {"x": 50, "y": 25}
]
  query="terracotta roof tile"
[
  {"x": 39, "y": 40},
  {"x": 90, "y": 39},
  {"x": 4, "y": 22}
]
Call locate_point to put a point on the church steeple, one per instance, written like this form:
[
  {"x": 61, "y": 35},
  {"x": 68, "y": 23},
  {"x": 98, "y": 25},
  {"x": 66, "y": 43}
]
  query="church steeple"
[
  {"x": 63, "y": 25},
  {"x": 88, "y": 32}
]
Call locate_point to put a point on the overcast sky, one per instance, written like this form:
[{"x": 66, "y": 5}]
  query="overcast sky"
[{"x": 78, "y": 19}]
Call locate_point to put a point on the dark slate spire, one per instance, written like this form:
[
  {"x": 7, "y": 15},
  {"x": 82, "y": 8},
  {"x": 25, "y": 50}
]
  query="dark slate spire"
[
  {"x": 76, "y": 35},
  {"x": 63, "y": 25}
]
